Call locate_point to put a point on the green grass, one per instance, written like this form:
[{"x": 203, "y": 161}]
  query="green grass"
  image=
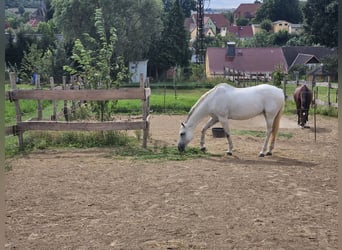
[{"x": 120, "y": 143}]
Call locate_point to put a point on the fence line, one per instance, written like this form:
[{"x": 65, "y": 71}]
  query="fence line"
[
  {"x": 14, "y": 95},
  {"x": 328, "y": 85}
]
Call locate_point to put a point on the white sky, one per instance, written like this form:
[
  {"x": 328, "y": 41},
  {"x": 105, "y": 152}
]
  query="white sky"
[{"x": 225, "y": 4}]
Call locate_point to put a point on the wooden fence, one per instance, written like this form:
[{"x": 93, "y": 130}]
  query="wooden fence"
[{"x": 14, "y": 95}]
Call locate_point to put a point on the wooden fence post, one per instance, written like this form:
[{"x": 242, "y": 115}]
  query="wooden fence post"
[
  {"x": 19, "y": 133},
  {"x": 65, "y": 107},
  {"x": 329, "y": 87},
  {"x": 54, "y": 103},
  {"x": 39, "y": 103},
  {"x": 145, "y": 111}
]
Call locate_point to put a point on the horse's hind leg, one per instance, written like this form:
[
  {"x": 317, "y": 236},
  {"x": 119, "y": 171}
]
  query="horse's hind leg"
[
  {"x": 210, "y": 123},
  {"x": 225, "y": 126},
  {"x": 268, "y": 134}
]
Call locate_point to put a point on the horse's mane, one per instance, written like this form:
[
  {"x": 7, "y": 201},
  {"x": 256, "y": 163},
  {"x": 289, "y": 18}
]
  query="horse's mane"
[{"x": 200, "y": 100}]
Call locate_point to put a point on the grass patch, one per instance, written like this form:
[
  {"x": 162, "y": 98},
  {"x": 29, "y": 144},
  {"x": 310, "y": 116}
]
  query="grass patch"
[
  {"x": 120, "y": 143},
  {"x": 164, "y": 153}
]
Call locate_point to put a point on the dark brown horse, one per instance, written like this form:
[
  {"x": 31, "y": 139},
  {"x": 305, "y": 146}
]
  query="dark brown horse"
[{"x": 303, "y": 99}]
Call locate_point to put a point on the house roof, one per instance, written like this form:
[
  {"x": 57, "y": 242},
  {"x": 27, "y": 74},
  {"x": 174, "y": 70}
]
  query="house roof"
[
  {"x": 252, "y": 60},
  {"x": 219, "y": 20},
  {"x": 241, "y": 31},
  {"x": 292, "y": 52},
  {"x": 304, "y": 59},
  {"x": 247, "y": 10}
]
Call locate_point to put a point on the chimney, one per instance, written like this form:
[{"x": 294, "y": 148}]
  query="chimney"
[{"x": 230, "y": 49}]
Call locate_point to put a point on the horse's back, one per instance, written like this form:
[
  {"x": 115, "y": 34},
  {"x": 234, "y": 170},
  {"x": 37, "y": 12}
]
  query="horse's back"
[
  {"x": 302, "y": 94},
  {"x": 244, "y": 103}
]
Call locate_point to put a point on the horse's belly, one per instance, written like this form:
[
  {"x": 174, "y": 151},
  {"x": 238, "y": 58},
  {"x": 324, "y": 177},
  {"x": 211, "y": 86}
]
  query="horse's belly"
[{"x": 244, "y": 115}]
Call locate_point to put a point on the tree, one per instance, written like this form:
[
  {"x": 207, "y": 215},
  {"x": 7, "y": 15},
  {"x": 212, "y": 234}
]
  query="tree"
[
  {"x": 36, "y": 61},
  {"x": 320, "y": 21},
  {"x": 172, "y": 50},
  {"x": 274, "y": 10},
  {"x": 242, "y": 21},
  {"x": 138, "y": 23},
  {"x": 331, "y": 65},
  {"x": 266, "y": 25},
  {"x": 95, "y": 63},
  {"x": 261, "y": 39},
  {"x": 188, "y": 6},
  {"x": 281, "y": 37}
]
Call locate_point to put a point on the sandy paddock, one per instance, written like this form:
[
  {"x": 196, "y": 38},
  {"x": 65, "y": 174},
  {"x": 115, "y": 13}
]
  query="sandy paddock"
[{"x": 91, "y": 199}]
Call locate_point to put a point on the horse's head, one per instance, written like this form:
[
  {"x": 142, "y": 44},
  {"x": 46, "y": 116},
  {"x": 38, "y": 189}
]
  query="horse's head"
[
  {"x": 185, "y": 136},
  {"x": 303, "y": 117}
]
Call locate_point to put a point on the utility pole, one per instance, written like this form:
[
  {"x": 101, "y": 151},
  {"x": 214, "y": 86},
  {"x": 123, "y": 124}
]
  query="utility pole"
[{"x": 200, "y": 50}]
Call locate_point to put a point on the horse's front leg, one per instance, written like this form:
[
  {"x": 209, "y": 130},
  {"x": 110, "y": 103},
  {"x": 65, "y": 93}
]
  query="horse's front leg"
[
  {"x": 225, "y": 126},
  {"x": 210, "y": 123}
]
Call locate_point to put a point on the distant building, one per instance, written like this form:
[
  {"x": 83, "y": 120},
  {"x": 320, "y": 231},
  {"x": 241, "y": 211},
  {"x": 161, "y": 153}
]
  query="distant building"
[
  {"x": 232, "y": 62},
  {"x": 246, "y": 10},
  {"x": 241, "y": 32},
  {"x": 136, "y": 68},
  {"x": 280, "y": 25}
]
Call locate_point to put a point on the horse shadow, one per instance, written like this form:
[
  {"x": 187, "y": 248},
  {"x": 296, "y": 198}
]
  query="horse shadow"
[
  {"x": 264, "y": 161},
  {"x": 320, "y": 130}
]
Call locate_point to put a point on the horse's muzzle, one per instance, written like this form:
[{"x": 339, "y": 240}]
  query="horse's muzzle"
[{"x": 181, "y": 148}]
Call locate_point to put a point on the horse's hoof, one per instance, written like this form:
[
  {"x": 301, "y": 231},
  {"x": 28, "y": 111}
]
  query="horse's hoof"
[
  {"x": 261, "y": 155},
  {"x": 203, "y": 149},
  {"x": 229, "y": 153},
  {"x": 269, "y": 154}
]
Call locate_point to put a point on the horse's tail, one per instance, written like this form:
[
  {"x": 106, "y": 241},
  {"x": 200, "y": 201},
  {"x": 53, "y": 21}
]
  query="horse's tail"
[{"x": 275, "y": 126}]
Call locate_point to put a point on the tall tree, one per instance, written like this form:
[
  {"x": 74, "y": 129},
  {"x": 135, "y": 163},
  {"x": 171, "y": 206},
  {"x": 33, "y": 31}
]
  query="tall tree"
[
  {"x": 274, "y": 10},
  {"x": 320, "y": 21},
  {"x": 173, "y": 48},
  {"x": 188, "y": 6}
]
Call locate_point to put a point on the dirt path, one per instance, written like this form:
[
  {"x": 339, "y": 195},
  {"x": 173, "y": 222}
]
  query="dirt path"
[{"x": 90, "y": 199}]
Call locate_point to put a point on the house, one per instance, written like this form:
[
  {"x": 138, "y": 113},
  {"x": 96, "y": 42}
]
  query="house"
[
  {"x": 137, "y": 68},
  {"x": 246, "y": 10},
  {"x": 241, "y": 32},
  {"x": 221, "y": 23},
  {"x": 243, "y": 62},
  {"x": 280, "y": 25},
  {"x": 214, "y": 24},
  {"x": 308, "y": 55},
  {"x": 248, "y": 62},
  {"x": 305, "y": 59}
]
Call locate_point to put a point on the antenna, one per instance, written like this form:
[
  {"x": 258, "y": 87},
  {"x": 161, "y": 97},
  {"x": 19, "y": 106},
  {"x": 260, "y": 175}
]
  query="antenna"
[{"x": 200, "y": 50}]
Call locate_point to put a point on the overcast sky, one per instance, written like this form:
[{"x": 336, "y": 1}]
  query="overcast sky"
[{"x": 226, "y": 4}]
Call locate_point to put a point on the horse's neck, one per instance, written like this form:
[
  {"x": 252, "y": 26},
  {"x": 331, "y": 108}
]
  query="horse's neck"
[{"x": 197, "y": 115}]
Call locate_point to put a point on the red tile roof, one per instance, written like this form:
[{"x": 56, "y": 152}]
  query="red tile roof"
[
  {"x": 251, "y": 60},
  {"x": 219, "y": 20},
  {"x": 241, "y": 31},
  {"x": 247, "y": 10}
]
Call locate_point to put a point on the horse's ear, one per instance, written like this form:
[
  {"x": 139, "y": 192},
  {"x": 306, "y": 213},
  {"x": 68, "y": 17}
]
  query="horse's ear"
[{"x": 183, "y": 125}]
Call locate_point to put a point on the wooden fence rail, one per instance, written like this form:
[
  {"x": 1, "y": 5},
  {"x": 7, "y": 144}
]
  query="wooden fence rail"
[{"x": 14, "y": 95}]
